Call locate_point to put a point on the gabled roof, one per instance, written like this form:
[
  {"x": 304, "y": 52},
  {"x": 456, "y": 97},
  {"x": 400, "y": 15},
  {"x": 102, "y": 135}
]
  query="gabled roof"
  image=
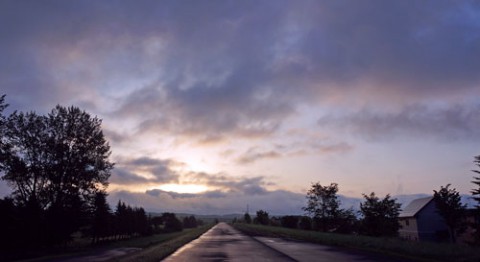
[{"x": 415, "y": 206}]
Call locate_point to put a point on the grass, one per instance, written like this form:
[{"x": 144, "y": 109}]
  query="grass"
[
  {"x": 167, "y": 242},
  {"x": 164, "y": 248},
  {"x": 421, "y": 251}
]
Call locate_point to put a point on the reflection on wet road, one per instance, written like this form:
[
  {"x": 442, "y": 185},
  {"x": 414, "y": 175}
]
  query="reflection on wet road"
[{"x": 224, "y": 243}]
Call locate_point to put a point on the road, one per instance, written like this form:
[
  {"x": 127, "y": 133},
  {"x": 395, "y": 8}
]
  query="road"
[{"x": 224, "y": 243}]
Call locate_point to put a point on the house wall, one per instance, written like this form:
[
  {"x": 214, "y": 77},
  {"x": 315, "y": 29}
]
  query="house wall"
[
  {"x": 430, "y": 224},
  {"x": 408, "y": 228}
]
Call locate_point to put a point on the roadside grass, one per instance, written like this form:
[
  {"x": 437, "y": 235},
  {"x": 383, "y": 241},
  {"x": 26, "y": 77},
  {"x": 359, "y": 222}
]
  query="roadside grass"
[
  {"x": 82, "y": 247},
  {"x": 164, "y": 248},
  {"x": 421, "y": 251}
]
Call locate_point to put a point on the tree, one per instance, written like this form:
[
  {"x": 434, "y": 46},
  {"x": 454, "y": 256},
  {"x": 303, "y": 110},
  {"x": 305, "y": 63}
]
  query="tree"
[
  {"x": 380, "y": 217},
  {"x": 323, "y": 205},
  {"x": 476, "y": 196},
  {"x": 102, "y": 218},
  {"x": 449, "y": 206},
  {"x": 289, "y": 221},
  {"x": 476, "y": 181},
  {"x": 172, "y": 223},
  {"x": 57, "y": 156},
  {"x": 3, "y": 142},
  {"x": 247, "y": 218},
  {"x": 262, "y": 217},
  {"x": 305, "y": 223},
  {"x": 56, "y": 164},
  {"x": 190, "y": 222}
]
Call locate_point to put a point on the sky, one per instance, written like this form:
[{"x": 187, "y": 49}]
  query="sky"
[{"x": 210, "y": 106}]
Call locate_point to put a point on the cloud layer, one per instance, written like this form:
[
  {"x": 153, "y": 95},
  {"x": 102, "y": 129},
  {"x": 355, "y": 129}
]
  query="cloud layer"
[{"x": 253, "y": 89}]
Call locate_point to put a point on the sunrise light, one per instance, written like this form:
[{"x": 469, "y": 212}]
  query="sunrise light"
[{"x": 184, "y": 188}]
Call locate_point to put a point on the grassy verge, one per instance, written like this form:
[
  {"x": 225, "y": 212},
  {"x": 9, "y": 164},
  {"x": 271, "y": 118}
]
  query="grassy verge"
[
  {"x": 165, "y": 248},
  {"x": 83, "y": 247},
  {"x": 422, "y": 251}
]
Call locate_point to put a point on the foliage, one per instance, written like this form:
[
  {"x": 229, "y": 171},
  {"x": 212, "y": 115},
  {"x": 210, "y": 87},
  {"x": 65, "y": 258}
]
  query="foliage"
[
  {"x": 57, "y": 157},
  {"x": 449, "y": 205},
  {"x": 3, "y": 142},
  {"x": 305, "y": 223},
  {"x": 476, "y": 181},
  {"x": 262, "y": 217},
  {"x": 190, "y": 222},
  {"x": 171, "y": 223},
  {"x": 380, "y": 217},
  {"x": 476, "y": 196},
  {"x": 55, "y": 165},
  {"x": 346, "y": 222},
  {"x": 102, "y": 218},
  {"x": 323, "y": 205},
  {"x": 247, "y": 218},
  {"x": 130, "y": 221},
  {"x": 289, "y": 221}
]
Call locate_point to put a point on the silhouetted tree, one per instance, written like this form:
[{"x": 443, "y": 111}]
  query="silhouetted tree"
[
  {"x": 141, "y": 222},
  {"x": 102, "y": 221},
  {"x": 476, "y": 181},
  {"x": 172, "y": 223},
  {"x": 289, "y": 221},
  {"x": 305, "y": 223},
  {"x": 262, "y": 217},
  {"x": 247, "y": 218},
  {"x": 380, "y": 217},
  {"x": 476, "y": 196},
  {"x": 346, "y": 222},
  {"x": 4, "y": 145},
  {"x": 56, "y": 163},
  {"x": 189, "y": 222},
  {"x": 12, "y": 229},
  {"x": 156, "y": 222},
  {"x": 121, "y": 220},
  {"x": 323, "y": 205},
  {"x": 450, "y": 207}
]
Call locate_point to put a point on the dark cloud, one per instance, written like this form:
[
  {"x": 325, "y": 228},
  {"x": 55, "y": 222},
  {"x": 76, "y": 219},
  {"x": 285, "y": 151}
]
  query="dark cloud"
[
  {"x": 253, "y": 155},
  {"x": 207, "y": 194},
  {"x": 157, "y": 192},
  {"x": 460, "y": 122},
  {"x": 127, "y": 171},
  {"x": 307, "y": 147},
  {"x": 226, "y": 183},
  {"x": 123, "y": 176},
  {"x": 217, "y": 70}
]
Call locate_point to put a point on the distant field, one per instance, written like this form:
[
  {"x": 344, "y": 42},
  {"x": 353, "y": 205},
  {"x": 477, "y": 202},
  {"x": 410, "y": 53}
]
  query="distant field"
[{"x": 422, "y": 251}]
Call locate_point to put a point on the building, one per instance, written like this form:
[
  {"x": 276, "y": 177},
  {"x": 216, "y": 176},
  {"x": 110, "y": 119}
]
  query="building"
[{"x": 420, "y": 221}]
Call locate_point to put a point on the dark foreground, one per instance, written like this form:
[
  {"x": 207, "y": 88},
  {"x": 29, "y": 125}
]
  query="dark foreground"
[{"x": 224, "y": 243}]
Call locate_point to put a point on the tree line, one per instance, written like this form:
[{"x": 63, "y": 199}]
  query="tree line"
[
  {"x": 376, "y": 217},
  {"x": 58, "y": 167}
]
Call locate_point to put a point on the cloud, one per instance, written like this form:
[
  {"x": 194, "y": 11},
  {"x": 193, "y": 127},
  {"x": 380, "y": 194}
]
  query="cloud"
[
  {"x": 253, "y": 155},
  {"x": 306, "y": 147},
  {"x": 144, "y": 170},
  {"x": 258, "y": 61},
  {"x": 275, "y": 202},
  {"x": 459, "y": 122},
  {"x": 227, "y": 183}
]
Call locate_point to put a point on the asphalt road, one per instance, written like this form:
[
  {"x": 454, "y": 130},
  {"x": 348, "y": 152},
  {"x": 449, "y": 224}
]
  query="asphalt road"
[{"x": 224, "y": 243}]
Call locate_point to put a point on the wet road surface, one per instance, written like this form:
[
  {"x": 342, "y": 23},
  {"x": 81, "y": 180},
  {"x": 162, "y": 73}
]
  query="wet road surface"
[{"x": 224, "y": 243}]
